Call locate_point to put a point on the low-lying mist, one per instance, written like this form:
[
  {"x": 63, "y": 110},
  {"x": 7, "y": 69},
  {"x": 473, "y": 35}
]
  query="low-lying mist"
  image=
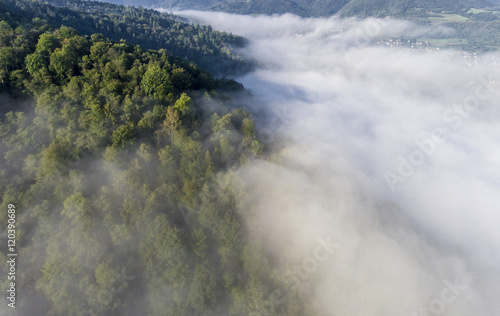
[{"x": 384, "y": 198}]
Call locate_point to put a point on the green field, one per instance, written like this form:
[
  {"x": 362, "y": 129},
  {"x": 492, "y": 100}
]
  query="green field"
[
  {"x": 445, "y": 17},
  {"x": 444, "y": 42},
  {"x": 476, "y": 11}
]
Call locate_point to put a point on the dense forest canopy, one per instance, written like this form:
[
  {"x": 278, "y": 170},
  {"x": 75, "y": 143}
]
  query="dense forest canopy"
[
  {"x": 118, "y": 160},
  {"x": 151, "y": 29},
  {"x": 170, "y": 4}
]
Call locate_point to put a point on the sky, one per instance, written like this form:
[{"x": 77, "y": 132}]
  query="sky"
[{"x": 385, "y": 193}]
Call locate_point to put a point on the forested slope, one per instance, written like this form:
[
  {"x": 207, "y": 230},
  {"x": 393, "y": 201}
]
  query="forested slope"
[
  {"x": 118, "y": 161},
  {"x": 301, "y": 7},
  {"x": 151, "y": 29},
  {"x": 170, "y": 4}
]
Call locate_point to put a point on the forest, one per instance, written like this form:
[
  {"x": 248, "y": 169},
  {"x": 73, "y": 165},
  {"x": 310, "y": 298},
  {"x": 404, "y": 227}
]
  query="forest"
[
  {"x": 178, "y": 4},
  {"x": 119, "y": 161},
  {"x": 212, "y": 50}
]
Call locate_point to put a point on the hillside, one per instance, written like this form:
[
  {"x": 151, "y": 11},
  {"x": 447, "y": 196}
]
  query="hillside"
[
  {"x": 170, "y": 4},
  {"x": 151, "y": 29},
  {"x": 301, "y": 7},
  {"x": 409, "y": 7},
  {"x": 349, "y": 7}
]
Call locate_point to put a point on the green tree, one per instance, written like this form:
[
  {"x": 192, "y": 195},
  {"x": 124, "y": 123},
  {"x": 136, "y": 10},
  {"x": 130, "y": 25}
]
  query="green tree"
[
  {"x": 123, "y": 135},
  {"x": 156, "y": 81},
  {"x": 203, "y": 290},
  {"x": 180, "y": 79}
]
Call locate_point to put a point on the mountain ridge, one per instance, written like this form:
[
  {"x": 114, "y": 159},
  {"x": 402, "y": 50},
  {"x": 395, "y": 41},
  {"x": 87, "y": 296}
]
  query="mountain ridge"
[{"x": 321, "y": 8}]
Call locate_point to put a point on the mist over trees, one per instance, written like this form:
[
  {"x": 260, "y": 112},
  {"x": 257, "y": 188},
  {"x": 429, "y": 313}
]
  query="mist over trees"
[
  {"x": 142, "y": 186},
  {"x": 118, "y": 160},
  {"x": 352, "y": 112}
]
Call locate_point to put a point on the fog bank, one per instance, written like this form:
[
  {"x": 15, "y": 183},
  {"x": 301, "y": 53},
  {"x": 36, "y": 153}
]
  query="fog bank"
[{"x": 391, "y": 152}]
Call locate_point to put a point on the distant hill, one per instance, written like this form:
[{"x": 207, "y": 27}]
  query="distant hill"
[
  {"x": 409, "y": 7},
  {"x": 169, "y": 4},
  {"x": 350, "y": 7},
  {"x": 298, "y": 7}
]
